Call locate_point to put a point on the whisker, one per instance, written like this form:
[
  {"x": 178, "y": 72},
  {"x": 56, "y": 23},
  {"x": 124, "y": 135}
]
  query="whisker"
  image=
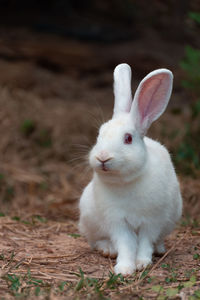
[
  {"x": 84, "y": 170},
  {"x": 79, "y": 158},
  {"x": 97, "y": 116},
  {"x": 86, "y": 140},
  {"x": 80, "y": 153},
  {"x": 76, "y": 159},
  {"x": 81, "y": 146},
  {"x": 96, "y": 123},
  {"x": 81, "y": 150},
  {"x": 100, "y": 110},
  {"x": 79, "y": 165}
]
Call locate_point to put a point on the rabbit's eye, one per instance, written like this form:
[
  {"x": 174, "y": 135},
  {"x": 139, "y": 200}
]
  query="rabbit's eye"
[{"x": 128, "y": 138}]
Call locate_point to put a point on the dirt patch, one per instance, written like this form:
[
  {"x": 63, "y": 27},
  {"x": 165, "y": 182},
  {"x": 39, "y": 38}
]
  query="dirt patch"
[{"x": 43, "y": 253}]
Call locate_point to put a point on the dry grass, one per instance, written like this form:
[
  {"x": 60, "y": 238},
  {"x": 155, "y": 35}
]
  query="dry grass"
[{"x": 41, "y": 256}]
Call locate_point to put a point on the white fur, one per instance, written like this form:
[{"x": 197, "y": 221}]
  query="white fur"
[
  {"x": 122, "y": 88},
  {"x": 130, "y": 207}
]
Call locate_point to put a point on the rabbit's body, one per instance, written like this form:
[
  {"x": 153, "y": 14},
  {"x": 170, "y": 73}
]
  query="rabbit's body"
[{"x": 133, "y": 200}]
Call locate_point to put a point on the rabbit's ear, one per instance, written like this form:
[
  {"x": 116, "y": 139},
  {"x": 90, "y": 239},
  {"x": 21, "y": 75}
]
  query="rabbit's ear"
[
  {"x": 151, "y": 98},
  {"x": 122, "y": 89}
]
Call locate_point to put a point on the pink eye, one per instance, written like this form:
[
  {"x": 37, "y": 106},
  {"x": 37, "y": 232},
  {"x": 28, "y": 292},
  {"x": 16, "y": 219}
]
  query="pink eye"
[{"x": 128, "y": 138}]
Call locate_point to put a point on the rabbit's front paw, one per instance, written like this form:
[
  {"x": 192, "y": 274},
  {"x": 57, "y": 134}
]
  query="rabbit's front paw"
[
  {"x": 106, "y": 248},
  {"x": 142, "y": 263},
  {"x": 124, "y": 269}
]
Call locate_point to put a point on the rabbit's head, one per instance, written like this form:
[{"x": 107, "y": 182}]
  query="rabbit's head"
[{"x": 120, "y": 150}]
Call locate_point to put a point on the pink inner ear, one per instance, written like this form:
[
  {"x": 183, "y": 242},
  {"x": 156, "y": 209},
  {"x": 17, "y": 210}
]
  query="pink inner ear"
[{"x": 152, "y": 97}]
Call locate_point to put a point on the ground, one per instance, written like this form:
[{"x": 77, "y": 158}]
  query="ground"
[
  {"x": 54, "y": 94},
  {"x": 41, "y": 257}
]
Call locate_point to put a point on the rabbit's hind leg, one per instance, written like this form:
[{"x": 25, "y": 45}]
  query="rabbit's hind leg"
[
  {"x": 106, "y": 248},
  {"x": 160, "y": 247}
]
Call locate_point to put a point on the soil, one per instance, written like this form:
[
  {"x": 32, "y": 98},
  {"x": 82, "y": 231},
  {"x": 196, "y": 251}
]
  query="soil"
[{"x": 54, "y": 93}]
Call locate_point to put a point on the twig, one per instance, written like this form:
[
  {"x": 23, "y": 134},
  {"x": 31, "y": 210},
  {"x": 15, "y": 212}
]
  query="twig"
[
  {"x": 58, "y": 276},
  {"x": 9, "y": 262}
]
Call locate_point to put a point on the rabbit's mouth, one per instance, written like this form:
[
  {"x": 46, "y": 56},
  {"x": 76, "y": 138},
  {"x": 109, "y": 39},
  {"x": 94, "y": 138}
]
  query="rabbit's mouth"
[
  {"x": 104, "y": 163},
  {"x": 104, "y": 168}
]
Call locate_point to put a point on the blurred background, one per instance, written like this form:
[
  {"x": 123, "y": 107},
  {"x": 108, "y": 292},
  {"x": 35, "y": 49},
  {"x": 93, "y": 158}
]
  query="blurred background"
[{"x": 56, "y": 65}]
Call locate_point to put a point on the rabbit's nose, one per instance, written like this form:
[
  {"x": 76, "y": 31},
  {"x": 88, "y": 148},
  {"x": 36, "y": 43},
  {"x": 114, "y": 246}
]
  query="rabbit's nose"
[
  {"x": 103, "y": 156},
  {"x": 103, "y": 161}
]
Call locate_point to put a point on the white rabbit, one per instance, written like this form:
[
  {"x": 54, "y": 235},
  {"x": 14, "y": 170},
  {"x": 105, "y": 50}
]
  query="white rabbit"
[{"x": 133, "y": 200}]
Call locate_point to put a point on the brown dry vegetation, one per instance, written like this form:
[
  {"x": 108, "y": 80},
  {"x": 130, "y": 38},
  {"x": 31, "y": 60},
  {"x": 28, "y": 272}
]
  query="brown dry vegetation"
[{"x": 62, "y": 87}]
